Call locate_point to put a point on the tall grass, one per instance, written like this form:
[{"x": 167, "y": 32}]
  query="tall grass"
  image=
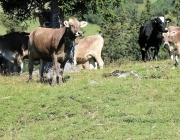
[{"x": 92, "y": 106}]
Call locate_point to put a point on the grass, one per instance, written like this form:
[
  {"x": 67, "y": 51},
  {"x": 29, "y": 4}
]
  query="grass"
[{"x": 111, "y": 108}]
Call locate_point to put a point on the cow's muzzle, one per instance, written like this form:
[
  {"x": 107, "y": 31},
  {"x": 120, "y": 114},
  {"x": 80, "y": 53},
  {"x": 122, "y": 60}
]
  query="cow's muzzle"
[
  {"x": 79, "y": 33},
  {"x": 165, "y": 30}
]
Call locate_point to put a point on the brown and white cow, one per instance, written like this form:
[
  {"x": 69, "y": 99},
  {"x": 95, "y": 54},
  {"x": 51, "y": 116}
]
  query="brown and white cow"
[
  {"x": 167, "y": 44},
  {"x": 171, "y": 40},
  {"x": 53, "y": 45},
  {"x": 14, "y": 47},
  {"x": 88, "y": 52}
]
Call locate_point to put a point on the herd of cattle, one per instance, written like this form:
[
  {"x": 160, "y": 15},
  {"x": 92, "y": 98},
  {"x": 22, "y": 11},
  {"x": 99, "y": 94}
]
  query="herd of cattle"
[{"x": 54, "y": 45}]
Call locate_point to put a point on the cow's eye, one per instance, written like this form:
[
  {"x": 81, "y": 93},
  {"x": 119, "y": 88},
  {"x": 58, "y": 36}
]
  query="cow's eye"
[{"x": 72, "y": 26}]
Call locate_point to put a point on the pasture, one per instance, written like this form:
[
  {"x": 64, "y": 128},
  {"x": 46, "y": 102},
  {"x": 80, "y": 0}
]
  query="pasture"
[{"x": 91, "y": 105}]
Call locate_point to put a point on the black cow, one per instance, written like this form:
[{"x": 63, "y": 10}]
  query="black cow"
[
  {"x": 13, "y": 48},
  {"x": 151, "y": 36}
]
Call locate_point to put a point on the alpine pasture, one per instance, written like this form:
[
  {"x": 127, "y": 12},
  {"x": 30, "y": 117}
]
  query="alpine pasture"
[
  {"x": 95, "y": 104},
  {"x": 92, "y": 105}
]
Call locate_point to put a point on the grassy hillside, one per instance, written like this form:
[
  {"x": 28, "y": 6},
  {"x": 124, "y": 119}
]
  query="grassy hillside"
[{"x": 92, "y": 106}]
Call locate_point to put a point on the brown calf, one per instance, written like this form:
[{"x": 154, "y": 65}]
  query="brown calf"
[
  {"x": 171, "y": 40},
  {"x": 88, "y": 52},
  {"x": 53, "y": 45}
]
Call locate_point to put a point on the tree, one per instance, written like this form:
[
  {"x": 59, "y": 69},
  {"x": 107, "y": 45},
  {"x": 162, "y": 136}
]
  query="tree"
[
  {"x": 121, "y": 36},
  {"x": 176, "y": 11},
  {"x": 21, "y": 9},
  {"x": 146, "y": 14},
  {"x": 12, "y": 25}
]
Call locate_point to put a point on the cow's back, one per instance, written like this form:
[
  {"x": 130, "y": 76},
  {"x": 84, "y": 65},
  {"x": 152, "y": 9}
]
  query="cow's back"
[
  {"x": 43, "y": 40},
  {"x": 91, "y": 44},
  {"x": 15, "y": 42}
]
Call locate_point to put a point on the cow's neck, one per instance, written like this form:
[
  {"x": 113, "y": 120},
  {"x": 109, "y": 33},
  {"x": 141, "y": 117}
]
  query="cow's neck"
[{"x": 69, "y": 35}]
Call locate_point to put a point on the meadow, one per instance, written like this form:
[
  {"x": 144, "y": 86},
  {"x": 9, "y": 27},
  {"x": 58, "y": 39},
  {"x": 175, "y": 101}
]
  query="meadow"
[{"x": 94, "y": 105}]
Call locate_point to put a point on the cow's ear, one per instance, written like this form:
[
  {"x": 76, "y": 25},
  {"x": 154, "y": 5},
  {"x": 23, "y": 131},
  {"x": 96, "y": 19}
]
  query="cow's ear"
[
  {"x": 66, "y": 23},
  {"x": 168, "y": 20},
  {"x": 155, "y": 20},
  {"x": 83, "y": 24}
]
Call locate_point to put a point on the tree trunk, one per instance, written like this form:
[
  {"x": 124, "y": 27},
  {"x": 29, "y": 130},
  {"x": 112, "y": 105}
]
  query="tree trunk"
[{"x": 57, "y": 16}]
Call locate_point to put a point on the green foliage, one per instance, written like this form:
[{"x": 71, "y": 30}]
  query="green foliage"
[
  {"x": 176, "y": 11},
  {"x": 162, "y": 7},
  {"x": 119, "y": 42},
  {"x": 12, "y": 25}
]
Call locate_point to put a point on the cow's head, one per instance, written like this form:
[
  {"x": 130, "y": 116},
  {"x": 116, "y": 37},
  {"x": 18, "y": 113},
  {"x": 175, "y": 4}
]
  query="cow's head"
[
  {"x": 75, "y": 26},
  {"x": 44, "y": 16},
  {"x": 161, "y": 23}
]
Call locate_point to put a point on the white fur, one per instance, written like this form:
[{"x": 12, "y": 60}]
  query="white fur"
[{"x": 162, "y": 19}]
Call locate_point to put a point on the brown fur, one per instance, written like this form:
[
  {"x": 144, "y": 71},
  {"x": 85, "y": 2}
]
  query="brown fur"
[
  {"x": 172, "y": 38},
  {"x": 88, "y": 52},
  {"x": 53, "y": 45}
]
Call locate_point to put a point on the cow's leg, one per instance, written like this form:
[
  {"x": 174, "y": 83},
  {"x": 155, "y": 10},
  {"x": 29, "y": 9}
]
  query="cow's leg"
[
  {"x": 99, "y": 61},
  {"x": 177, "y": 55},
  {"x": 61, "y": 71},
  {"x": 41, "y": 70},
  {"x": 87, "y": 65},
  {"x": 31, "y": 62},
  {"x": 79, "y": 66},
  {"x": 156, "y": 50},
  {"x": 92, "y": 63},
  {"x": 55, "y": 71},
  {"x": 20, "y": 63},
  {"x": 16, "y": 68},
  {"x": 143, "y": 53},
  {"x": 148, "y": 55},
  {"x": 157, "y": 47}
]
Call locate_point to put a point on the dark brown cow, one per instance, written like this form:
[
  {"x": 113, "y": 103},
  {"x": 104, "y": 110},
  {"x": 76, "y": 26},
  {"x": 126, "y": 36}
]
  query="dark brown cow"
[
  {"x": 14, "y": 47},
  {"x": 53, "y": 45}
]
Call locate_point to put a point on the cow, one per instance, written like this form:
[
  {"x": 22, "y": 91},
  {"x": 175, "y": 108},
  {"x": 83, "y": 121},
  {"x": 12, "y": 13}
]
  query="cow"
[
  {"x": 88, "y": 52},
  {"x": 14, "y": 48},
  {"x": 167, "y": 44},
  {"x": 53, "y": 45},
  {"x": 151, "y": 36},
  {"x": 7, "y": 67},
  {"x": 173, "y": 39},
  {"x": 44, "y": 16}
]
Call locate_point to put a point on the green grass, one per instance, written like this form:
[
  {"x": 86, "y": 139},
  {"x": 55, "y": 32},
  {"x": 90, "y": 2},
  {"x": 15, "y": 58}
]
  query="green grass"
[{"x": 113, "y": 108}]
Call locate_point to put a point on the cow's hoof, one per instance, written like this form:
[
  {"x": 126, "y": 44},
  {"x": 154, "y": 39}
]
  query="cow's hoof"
[
  {"x": 29, "y": 80},
  {"x": 61, "y": 81},
  {"x": 42, "y": 80},
  {"x": 53, "y": 84}
]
